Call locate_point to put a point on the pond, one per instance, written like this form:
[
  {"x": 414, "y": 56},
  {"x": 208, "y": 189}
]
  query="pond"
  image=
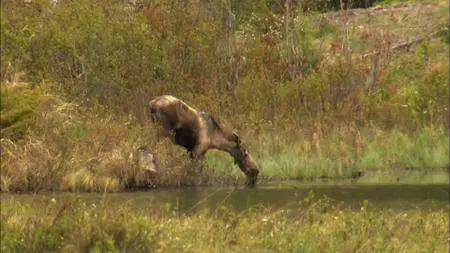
[{"x": 274, "y": 196}]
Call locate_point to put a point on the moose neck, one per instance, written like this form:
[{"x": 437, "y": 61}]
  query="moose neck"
[
  {"x": 223, "y": 141},
  {"x": 238, "y": 155},
  {"x": 246, "y": 164},
  {"x": 228, "y": 143}
]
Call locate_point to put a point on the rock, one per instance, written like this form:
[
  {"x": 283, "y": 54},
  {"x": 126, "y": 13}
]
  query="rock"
[{"x": 145, "y": 160}]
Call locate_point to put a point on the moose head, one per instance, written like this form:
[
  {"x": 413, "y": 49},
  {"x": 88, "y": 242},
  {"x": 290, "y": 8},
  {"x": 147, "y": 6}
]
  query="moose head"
[{"x": 244, "y": 160}]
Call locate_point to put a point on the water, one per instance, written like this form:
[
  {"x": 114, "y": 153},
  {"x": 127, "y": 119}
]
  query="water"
[{"x": 274, "y": 196}]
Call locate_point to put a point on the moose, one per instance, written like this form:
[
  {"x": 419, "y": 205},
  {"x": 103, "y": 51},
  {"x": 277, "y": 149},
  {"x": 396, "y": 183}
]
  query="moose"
[{"x": 198, "y": 132}]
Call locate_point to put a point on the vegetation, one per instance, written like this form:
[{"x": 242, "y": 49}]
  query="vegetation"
[
  {"x": 312, "y": 225},
  {"x": 316, "y": 90},
  {"x": 63, "y": 150},
  {"x": 70, "y": 148},
  {"x": 314, "y": 94}
]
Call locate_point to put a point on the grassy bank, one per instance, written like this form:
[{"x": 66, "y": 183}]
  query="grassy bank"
[
  {"x": 314, "y": 225},
  {"x": 61, "y": 146}
]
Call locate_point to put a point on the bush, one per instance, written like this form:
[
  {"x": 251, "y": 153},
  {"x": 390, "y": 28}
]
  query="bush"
[{"x": 20, "y": 105}]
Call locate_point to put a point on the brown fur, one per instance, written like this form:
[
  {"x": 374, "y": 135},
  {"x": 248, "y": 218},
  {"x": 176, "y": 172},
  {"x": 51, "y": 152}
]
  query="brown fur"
[{"x": 198, "y": 132}]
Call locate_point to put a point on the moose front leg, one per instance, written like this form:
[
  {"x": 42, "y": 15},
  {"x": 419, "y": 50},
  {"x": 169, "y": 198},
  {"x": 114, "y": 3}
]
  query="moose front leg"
[
  {"x": 198, "y": 152},
  {"x": 252, "y": 176}
]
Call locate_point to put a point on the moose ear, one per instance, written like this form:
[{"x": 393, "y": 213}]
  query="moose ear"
[
  {"x": 182, "y": 107},
  {"x": 237, "y": 138}
]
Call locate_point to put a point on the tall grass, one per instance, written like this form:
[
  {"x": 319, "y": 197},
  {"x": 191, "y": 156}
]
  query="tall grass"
[
  {"x": 70, "y": 148},
  {"x": 312, "y": 225},
  {"x": 340, "y": 154},
  {"x": 65, "y": 147}
]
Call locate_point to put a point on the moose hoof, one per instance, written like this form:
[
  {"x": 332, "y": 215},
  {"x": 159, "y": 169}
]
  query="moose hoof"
[{"x": 251, "y": 182}]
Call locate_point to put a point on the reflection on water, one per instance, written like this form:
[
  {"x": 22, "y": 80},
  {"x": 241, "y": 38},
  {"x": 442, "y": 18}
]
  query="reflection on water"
[{"x": 398, "y": 197}]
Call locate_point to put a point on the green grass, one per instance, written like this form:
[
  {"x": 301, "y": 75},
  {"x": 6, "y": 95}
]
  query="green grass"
[
  {"x": 339, "y": 154},
  {"x": 387, "y": 2},
  {"x": 313, "y": 225},
  {"x": 405, "y": 177}
]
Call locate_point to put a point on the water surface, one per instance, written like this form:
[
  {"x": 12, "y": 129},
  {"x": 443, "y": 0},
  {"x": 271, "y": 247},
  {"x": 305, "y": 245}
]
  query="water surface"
[{"x": 274, "y": 196}]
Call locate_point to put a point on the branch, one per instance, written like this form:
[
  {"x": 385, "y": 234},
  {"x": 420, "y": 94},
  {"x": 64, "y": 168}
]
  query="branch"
[{"x": 405, "y": 45}]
